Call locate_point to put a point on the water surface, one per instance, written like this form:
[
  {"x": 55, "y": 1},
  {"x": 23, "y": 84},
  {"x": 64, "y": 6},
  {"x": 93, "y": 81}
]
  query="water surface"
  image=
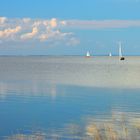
[{"x": 69, "y": 98}]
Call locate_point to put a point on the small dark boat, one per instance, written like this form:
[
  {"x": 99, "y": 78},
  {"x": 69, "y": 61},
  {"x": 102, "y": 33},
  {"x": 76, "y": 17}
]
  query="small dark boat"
[{"x": 122, "y": 58}]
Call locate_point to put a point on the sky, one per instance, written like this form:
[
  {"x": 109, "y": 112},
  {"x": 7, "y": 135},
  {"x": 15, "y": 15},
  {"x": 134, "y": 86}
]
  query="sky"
[{"x": 69, "y": 27}]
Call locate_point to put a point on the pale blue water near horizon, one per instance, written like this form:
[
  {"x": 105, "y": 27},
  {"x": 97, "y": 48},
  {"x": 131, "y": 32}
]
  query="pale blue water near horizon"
[{"x": 69, "y": 98}]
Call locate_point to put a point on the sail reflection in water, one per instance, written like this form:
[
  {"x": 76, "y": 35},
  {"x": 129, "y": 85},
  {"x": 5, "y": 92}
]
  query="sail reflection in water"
[{"x": 69, "y": 98}]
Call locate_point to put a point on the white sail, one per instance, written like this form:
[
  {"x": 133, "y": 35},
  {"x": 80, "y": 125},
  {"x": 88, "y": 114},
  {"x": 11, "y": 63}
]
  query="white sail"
[
  {"x": 88, "y": 54},
  {"x": 120, "y": 52},
  {"x": 120, "y": 49},
  {"x": 110, "y": 54}
]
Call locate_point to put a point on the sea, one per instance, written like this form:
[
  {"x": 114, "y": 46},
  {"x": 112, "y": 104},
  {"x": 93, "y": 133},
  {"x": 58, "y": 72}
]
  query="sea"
[{"x": 69, "y": 98}]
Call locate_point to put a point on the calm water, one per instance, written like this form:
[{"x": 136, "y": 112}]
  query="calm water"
[{"x": 64, "y": 98}]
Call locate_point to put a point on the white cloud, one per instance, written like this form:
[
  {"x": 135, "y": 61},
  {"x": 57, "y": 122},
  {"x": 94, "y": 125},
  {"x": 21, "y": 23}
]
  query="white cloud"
[
  {"x": 55, "y": 35},
  {"x": 31, "y": 34},
  {"x": 26, "y": 20},
  {"x": 63, "y": 23},
  {"x": 37, "y": 23},
  {"x": 53, "y": 22},
  {"x": 3, "y": 20},
  {"x": 9, "y": 32},
  {"x": 43, "y": 37}
]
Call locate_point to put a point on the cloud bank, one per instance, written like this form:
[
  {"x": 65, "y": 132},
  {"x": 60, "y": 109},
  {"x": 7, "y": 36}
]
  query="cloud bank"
[
  {"x": 40, "y": 30},
  {"x": 43, "y": 30},
  {"x": 30, "y": 35},
  {"x": 102, "y": 24}
]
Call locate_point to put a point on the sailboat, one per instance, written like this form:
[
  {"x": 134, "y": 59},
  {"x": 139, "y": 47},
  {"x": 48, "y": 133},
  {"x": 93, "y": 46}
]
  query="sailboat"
[
  {"x": 87, "y": 54},
  {"x": 110, "y": 54},
  {"x": 120, "y": 52}
]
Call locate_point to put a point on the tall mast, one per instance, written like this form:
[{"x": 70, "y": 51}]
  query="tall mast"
[{"x": 120, "y": 49}]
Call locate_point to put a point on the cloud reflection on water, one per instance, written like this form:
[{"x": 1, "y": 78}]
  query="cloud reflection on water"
[
  {"x": 119, "y": 126},
  {"x": 27, "y": 89},
  {"x": 39, "y": 74}
]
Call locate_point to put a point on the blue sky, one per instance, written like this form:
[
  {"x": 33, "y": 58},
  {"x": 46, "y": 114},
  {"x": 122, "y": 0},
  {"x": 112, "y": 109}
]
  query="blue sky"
[{"x": 69, "y": 27}]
